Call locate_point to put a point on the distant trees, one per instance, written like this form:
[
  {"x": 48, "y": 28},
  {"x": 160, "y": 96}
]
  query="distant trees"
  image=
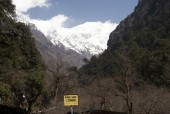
[
  {"x": 85, "y": 60},
  {"x": 151, "y": 99},
  {"x": 100, "y": 91}
]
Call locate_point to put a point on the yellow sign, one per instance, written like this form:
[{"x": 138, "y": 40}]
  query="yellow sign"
[{"x": 70, "y": 100}]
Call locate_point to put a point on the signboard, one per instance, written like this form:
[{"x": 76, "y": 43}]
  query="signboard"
[{"x": 70, "y": 100}]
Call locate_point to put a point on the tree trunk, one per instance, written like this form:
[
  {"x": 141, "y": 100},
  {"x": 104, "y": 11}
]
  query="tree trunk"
[
  {"x": 130, "y": 108},
  {"x": 29, "y": 107}
]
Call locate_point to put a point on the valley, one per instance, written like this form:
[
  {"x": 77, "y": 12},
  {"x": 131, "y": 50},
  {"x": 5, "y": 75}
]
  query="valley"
[{"x": 91, "y": 68}]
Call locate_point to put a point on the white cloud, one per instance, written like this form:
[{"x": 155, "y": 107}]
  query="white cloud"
[
  {"x": 25, "y": 5},
  {"x": 50, "y": 25}
]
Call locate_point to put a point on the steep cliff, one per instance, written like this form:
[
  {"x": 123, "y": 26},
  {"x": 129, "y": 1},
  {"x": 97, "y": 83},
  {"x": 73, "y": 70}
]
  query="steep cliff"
[{"x": 147, "y": 15}]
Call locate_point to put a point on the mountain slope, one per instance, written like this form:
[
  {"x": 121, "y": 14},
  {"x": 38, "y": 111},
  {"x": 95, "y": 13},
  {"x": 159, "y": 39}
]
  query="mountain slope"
[
  {"x": 52, "y": 54},
  {"x": 144, "y": 38}
]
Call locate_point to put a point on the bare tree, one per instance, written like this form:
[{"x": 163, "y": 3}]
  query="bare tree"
[
  {"x": 64, "y": 81},
  {"x": 100, "y": 92},
  {"x": 126, "y": 79},
  {"x": 153, "y": 100},
  {"x": 60, "y": 76}
]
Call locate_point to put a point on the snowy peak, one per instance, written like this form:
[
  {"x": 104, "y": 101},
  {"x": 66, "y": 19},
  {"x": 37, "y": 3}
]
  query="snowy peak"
[{"x": 90, "y": 37}]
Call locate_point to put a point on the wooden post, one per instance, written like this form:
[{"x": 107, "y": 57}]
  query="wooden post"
[{"x": 72, "y": 111}]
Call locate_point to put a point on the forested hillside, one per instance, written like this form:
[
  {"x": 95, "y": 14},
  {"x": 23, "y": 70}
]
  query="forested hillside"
[
  {"x": 21, "y": 66},
  {"x": 133, "y": 74},
  {"x": 144, "y": 39}
]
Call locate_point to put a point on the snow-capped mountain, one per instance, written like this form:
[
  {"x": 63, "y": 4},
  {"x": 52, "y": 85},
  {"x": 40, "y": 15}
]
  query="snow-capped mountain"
[
  {"x": 89, "y": 38},
  {"x": 53, "y": 54}
]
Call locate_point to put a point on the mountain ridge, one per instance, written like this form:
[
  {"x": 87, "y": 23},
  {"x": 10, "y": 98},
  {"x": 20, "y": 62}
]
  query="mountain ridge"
[{"x": 90, "y": 37}]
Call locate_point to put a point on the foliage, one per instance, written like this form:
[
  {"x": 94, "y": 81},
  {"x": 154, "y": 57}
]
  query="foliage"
[
  {"x": 21, "y": 66},
  {"x": 145, "y": 34},
  {"x": 6, "y": 7}
]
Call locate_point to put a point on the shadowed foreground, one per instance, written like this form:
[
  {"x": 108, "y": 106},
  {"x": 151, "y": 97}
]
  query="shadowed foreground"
[
  {"x": 8, "y": 110},
  {"x": 103, "y": 112}
]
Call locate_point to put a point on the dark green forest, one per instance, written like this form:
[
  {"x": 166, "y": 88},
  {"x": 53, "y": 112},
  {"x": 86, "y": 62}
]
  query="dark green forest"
[{"x": 21, "y": 66}]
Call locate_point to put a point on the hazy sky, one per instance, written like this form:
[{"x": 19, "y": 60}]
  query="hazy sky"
[{"x": 78, "y": 11}]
